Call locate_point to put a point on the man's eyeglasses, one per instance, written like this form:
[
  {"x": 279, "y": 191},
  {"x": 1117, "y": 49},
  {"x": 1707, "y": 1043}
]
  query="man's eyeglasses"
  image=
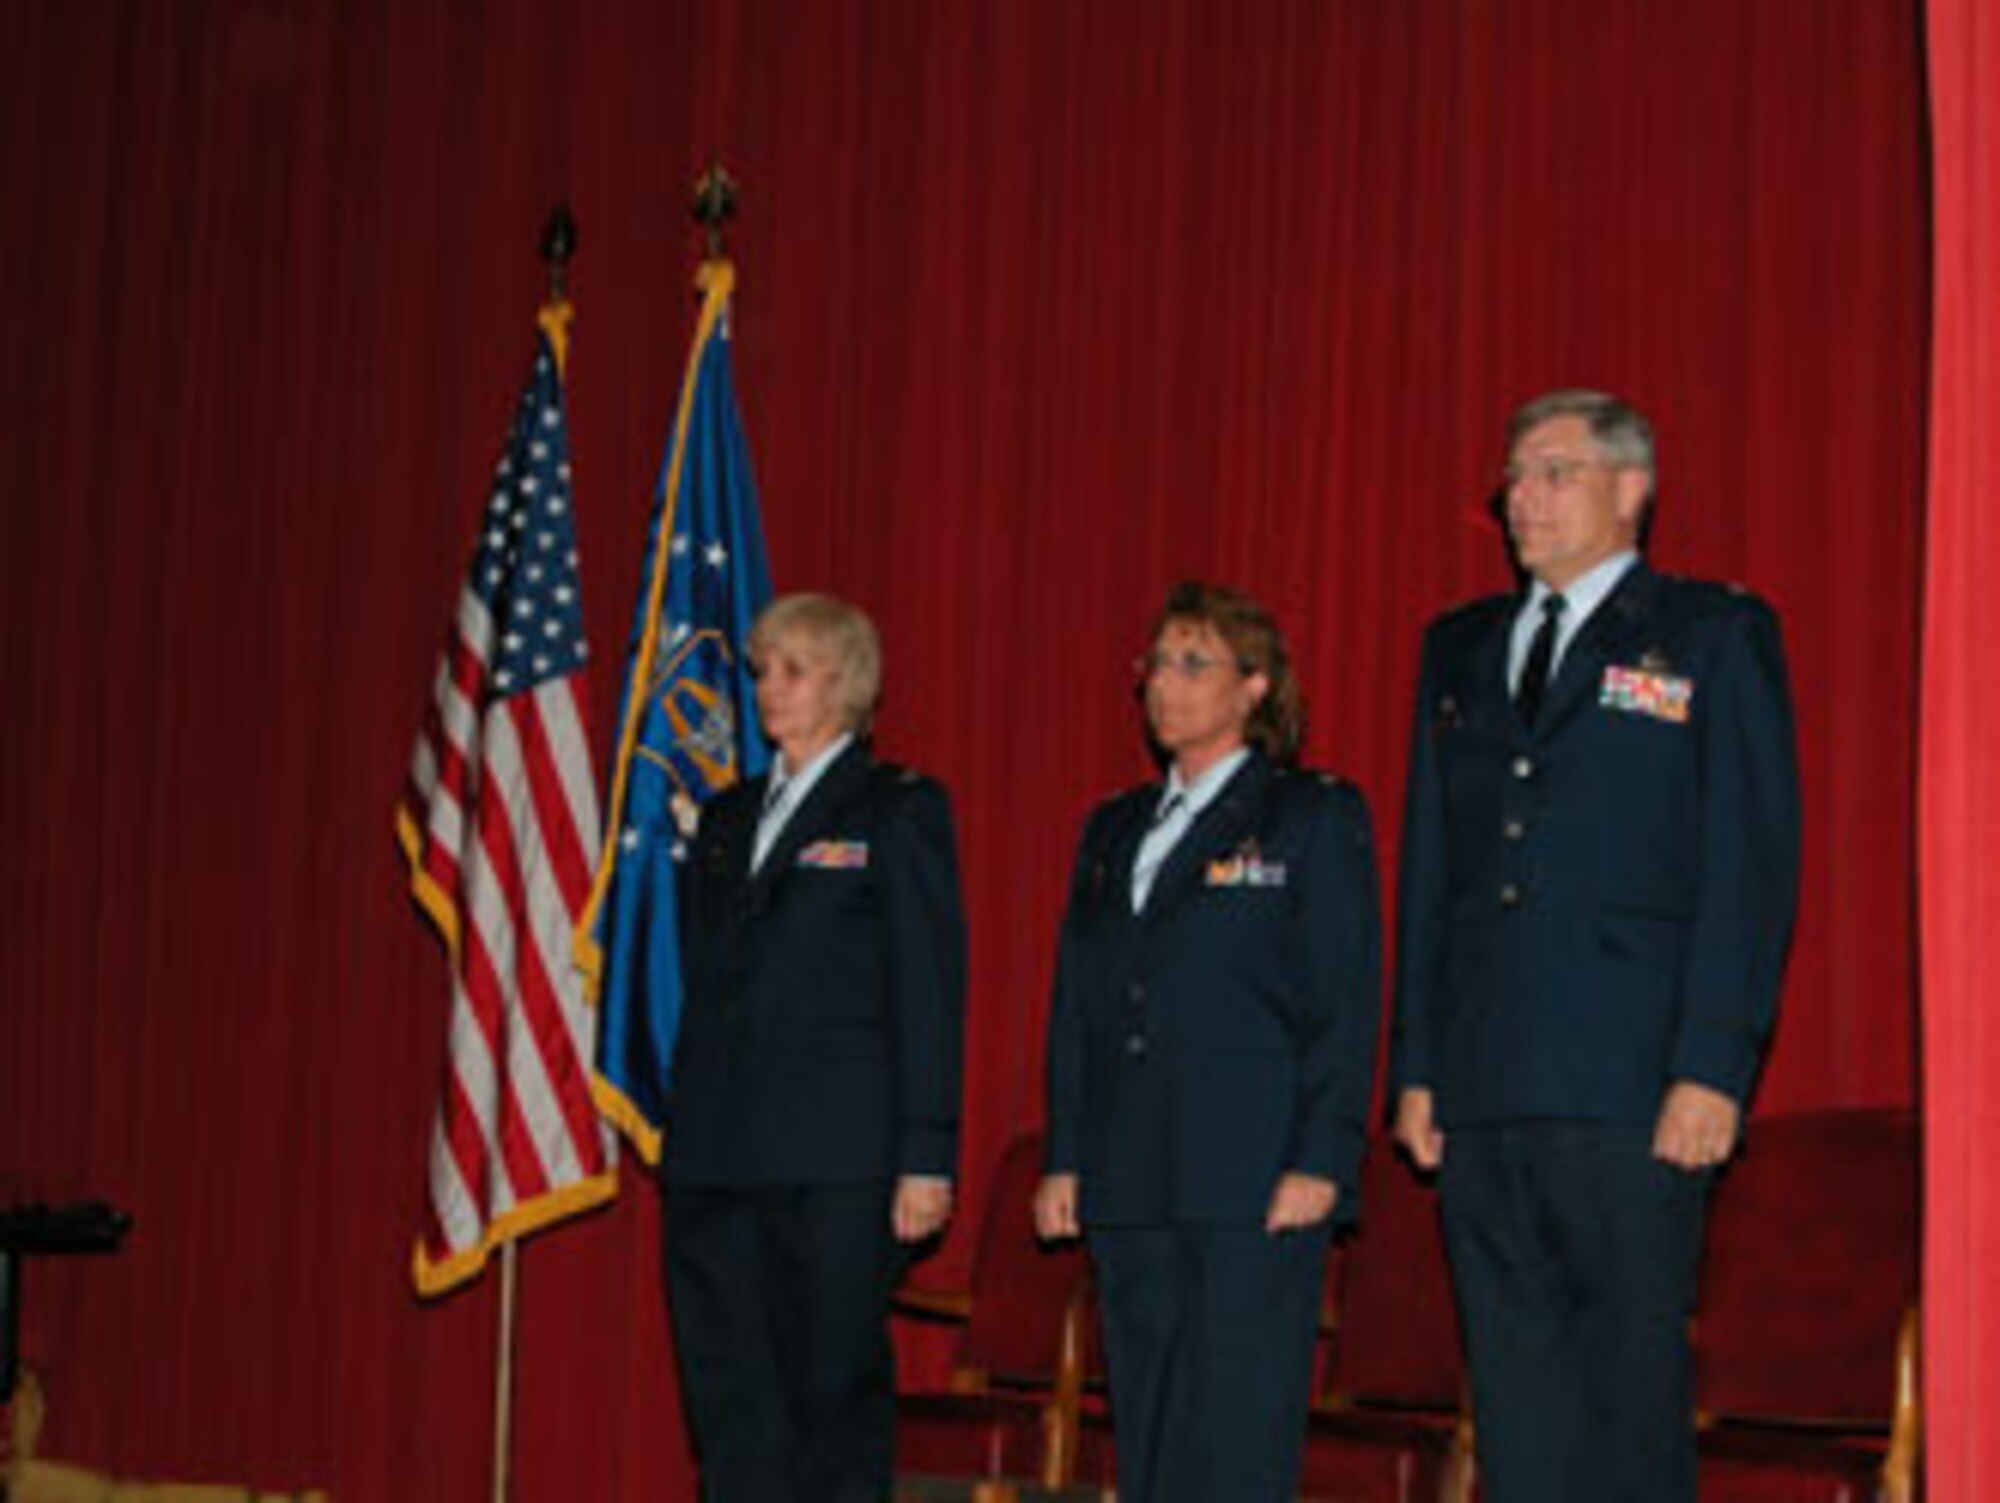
[{"x": 1552, "y": 474}]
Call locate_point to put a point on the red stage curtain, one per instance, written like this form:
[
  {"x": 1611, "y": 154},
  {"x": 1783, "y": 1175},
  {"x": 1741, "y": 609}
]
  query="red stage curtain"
[
  {"x": 1960, "y": 811},
  {"x": 1042, "y": 305}
]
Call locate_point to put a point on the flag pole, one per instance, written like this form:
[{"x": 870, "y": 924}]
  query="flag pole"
[
  {"x": 503, "y": 1376},
  {"x": 558, "y": 245}
]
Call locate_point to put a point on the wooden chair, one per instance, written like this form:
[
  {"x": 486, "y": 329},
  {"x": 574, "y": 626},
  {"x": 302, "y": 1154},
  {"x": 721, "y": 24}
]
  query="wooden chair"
[
  {"x": 1095, "y": 1453},
  {"x": 1806, "y": 1336},
  {"x": 1391, "y": 1424},
  {"x": 1008, "y": 1416}
]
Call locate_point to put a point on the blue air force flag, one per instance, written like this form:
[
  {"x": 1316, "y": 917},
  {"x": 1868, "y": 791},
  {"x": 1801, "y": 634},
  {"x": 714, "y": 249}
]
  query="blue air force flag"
[{"x": 688, "y": 727}]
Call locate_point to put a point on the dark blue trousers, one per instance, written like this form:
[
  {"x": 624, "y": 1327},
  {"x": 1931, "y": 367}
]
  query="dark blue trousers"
[
  {"x": 780, "y": 1303},
  {"x": 1208, "y": 1333},
  {"x": 1576, "y": 1255}
]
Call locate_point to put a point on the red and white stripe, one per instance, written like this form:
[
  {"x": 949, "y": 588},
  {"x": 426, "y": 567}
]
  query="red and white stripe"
[{"x": 501, "y": 824}]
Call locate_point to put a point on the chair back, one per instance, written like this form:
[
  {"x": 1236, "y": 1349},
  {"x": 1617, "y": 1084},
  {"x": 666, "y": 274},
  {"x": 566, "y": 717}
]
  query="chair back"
[
  {"x": 1020, "y": 1289},
  {"x": 1395, "y": 1337},
  {"x": 1812, "y": 1259}
]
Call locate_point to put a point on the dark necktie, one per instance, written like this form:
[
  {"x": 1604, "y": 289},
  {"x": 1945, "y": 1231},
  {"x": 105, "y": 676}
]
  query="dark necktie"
[{"x": 1541, "y": 657}]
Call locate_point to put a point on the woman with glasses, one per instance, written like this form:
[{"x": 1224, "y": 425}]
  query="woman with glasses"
[{"x": 1211, "y": 1043}]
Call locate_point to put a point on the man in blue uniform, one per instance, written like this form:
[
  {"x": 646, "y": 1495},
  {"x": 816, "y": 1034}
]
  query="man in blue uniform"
[{"x": 1599, "y": 871}]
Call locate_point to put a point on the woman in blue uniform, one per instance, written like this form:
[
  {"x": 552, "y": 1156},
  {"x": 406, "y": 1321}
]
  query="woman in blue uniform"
[
  {"x": 1211, "y": 1043},
  {"x": 812, "y": 1133}
]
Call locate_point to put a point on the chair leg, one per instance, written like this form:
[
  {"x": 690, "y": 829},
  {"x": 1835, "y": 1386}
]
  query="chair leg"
[
  {"x": 1060, "y": 1416},
  {"x": 23, "y": 1417},
  {"x": 1906, "y": 1423},
  {"x": 1461, "y": 1472}
]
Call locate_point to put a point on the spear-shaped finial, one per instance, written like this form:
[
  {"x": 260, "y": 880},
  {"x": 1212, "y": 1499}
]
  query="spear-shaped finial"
[
  {"x": 714, "y": 205},
  {"x": 558, "y": 245}
]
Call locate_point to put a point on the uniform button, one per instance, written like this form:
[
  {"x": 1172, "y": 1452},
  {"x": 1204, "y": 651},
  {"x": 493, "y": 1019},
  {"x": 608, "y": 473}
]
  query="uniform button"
[
  {"x": 1524, "y": 768},
  {"x": 1510, "y": 895},
  {"x": 1136, "y": 992},
  {"x": 1135, "y": 1044},
  {"x": 1513, "y": 829}
]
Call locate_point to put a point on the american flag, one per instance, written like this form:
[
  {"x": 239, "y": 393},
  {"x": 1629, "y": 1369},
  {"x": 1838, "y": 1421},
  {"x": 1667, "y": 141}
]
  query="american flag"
[{"x": 500, "y": 824}]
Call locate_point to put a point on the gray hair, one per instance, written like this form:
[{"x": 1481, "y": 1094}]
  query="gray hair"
[
  {"x": 1623, "y": 436},
  {"x": 839, "y": 633}
]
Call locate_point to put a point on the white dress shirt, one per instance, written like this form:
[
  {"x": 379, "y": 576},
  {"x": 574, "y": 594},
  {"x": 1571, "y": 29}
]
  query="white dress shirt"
[
  {"x": 788, "y": 790},
  {"x": 1180, "y": 804},
  {"x": 1583, "y": 596}
]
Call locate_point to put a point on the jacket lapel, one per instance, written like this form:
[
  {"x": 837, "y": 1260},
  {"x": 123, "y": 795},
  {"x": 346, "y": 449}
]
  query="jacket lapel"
[
  {"x": 1486, "y": 662},
  {"x": 739, "y": 841},
  {"x": 1219, "y": 828},
  {"x": 821, "y": 812},
  {"x": 1119, "y": 852},
  {"x": 1605, "y": 636}
]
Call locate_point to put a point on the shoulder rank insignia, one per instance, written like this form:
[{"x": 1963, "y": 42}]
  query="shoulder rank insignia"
[
  {"x": 1636, "y": 691},
  {"x": 835, "y": 856}
]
